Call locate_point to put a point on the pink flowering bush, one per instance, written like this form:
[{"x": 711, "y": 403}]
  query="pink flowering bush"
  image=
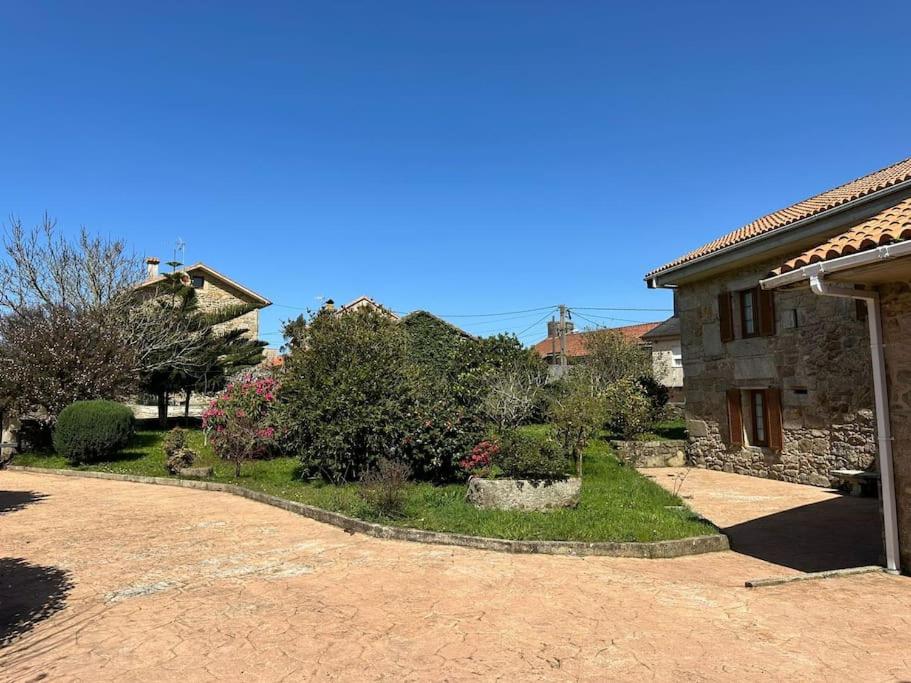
[
  {"x": 478, "y": 462},
  {"x": 239, "y": 421}
]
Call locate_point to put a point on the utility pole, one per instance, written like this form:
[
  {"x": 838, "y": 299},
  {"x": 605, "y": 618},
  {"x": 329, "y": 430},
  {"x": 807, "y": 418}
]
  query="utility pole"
[{"x": 562, "y": 339}]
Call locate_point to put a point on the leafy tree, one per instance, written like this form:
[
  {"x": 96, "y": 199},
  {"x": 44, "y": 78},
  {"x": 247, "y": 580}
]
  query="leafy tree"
[
  {"x": 577, "y": 411},
  {"x": 352, "y": 393}
]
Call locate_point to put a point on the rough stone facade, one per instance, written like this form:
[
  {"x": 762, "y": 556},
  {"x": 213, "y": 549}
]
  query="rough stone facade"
[
  {"x": 896, "y": 314},
  {"x": 214, "y": 295},
  {"x": 827, "y": 417}
]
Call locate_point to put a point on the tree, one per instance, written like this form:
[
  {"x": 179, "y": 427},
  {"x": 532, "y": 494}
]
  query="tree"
[
  {"x": 577, "y": 411},
  {"x": 612, "y": 357},
  {"x": 51, "y": 357},
  {"x": 68, "y": 305},
  {"x": 513, "y": 395},
  {"x": 348, "y": 394}
]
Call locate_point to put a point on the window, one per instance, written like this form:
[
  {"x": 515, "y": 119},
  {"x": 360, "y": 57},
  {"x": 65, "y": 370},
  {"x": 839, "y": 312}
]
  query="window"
[
  {"x": 748, "y": 308},
  {"x": 197, "y": 281},
  {"x": 759, "y": 416},
  {"x": 677, "y": 359}
]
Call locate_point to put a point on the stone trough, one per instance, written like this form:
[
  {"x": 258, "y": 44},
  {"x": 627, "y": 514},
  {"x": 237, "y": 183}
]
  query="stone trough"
[{"x": 524, "y": 494}]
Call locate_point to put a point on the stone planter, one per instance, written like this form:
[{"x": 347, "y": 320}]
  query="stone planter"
[
  {"x": 523, "y": 494},
  {"x": 652, "y": 453}
]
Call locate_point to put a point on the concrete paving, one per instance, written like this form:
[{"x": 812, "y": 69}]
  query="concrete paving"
[{"x": 111, "y": 580}]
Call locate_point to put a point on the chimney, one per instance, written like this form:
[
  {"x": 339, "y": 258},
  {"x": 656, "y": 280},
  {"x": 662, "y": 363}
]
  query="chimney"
[
  {"x": 329, "y": 306},
  {"x": 152, "y": 267}
]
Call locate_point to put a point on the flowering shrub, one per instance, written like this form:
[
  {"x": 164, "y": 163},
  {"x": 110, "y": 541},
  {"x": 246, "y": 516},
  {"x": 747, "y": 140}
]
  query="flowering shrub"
[
  {"x": 238, "y": 421},
  {"x": 478, "y": 462}
]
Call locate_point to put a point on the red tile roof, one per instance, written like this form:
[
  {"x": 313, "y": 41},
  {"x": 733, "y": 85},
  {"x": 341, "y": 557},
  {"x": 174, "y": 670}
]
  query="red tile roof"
[
  {"x": 868, "y": 184},
  {"x": 890, "y": 225},
  {"x": 575, "y": 341}
]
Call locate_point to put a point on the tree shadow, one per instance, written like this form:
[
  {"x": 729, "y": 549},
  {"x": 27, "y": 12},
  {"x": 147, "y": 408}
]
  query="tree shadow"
[
  {"x": 29, "y": 594},
  {"x": 12, "y": 501},
  {"x": 837, "y": 533}
]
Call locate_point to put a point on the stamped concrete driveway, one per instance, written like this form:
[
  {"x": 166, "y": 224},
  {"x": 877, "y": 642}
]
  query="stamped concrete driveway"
[{"x": 123, "y": 581}]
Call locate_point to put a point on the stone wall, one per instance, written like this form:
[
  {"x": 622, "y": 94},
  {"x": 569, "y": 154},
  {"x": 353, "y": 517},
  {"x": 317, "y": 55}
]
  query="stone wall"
[
  {"x": 213, "y": 295},
  {"x": 819, "y": 359},
  {"x": 651, "y": 453},
  {"x": 896, "y": 313}
]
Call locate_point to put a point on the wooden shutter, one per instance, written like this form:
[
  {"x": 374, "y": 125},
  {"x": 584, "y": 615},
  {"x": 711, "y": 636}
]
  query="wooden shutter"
[
  {"x": 726, "y": 316},
  {"x": 766, "y": 301},
  {"x": 773, "y": 408},
  {"x": 735, "y": 417}
]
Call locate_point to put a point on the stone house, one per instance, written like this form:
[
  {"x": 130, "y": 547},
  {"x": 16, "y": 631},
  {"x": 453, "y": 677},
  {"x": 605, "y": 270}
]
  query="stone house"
[
  {"x": 780, "y": 379},
  {"x": 214, "y": 291}
]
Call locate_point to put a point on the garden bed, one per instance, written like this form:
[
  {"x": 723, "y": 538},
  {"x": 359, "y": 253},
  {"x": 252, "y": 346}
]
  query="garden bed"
[{"x": 617, "y": 503}]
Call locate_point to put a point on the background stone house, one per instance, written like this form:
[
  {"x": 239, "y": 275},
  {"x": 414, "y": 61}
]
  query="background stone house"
[
  {"x": 761, "y": 398},
  {"x": 214, "y": 291}
]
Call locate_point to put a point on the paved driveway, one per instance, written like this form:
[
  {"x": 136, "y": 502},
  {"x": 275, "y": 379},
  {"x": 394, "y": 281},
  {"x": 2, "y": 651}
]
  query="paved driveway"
[{"x": 134, "y": 582}]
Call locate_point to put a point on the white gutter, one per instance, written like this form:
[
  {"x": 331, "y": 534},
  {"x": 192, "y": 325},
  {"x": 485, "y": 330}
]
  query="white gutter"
[
  {"x": 816, "y": 275},
  {"x": 863, "y": 258}
]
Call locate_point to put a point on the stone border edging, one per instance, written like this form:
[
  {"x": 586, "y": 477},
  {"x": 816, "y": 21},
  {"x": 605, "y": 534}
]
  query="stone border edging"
[{"x": 694, "y": 545}]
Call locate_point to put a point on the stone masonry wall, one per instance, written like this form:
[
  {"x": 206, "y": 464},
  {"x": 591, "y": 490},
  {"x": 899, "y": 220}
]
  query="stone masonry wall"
[
  {"x": 896, "y": 313},
  {"x": 819, "y": 358},
  {"x": 213, "y": 296}
]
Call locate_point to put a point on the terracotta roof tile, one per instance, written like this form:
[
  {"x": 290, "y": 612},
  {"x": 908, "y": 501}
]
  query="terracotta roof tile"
[
  {"x": 575, "y": 341},
  {"x": 891, "y": 225},
  {"x": 868, "y": 184}
]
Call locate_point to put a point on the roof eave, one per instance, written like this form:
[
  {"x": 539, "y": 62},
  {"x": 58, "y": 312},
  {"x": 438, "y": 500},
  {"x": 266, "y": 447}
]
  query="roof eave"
[{"x": 824, "y": 221}]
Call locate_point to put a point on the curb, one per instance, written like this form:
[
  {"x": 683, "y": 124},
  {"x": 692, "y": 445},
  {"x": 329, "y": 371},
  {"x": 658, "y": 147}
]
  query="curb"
[
  {"x": 695, "y": 545},
  {"x": 812, "y": 576}
]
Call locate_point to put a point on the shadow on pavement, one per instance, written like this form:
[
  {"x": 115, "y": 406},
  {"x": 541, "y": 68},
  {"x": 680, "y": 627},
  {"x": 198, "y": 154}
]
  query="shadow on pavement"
[
  {"x": 29, "y": 594},
  {"x": 833, "y": 534},
  {"x": 11, "y": 501}
]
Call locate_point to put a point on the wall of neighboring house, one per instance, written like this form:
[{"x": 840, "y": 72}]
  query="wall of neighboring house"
[
  {"x": 666, "y": 357},
  {"x": 214, "y": 295},
  {"x": 896, "y": 315},
  {"x": 826, "y": 418}
]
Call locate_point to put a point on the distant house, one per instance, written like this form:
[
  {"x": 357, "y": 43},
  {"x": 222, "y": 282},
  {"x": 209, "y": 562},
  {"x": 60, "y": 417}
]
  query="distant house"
[
  {"x": 214, "y": 290},
  {"x": 549, "y": 348},
  {"x": 667, "y": 356}
]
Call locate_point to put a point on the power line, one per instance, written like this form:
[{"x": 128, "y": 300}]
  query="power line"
[
  {"x": 605, "y": 317},
  {"x": 537, "y": 322},
  {"x": 595, "y": 308}
]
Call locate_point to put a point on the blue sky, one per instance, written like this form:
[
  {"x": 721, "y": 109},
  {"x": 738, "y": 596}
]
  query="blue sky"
[{"x": 465, "y": 157}]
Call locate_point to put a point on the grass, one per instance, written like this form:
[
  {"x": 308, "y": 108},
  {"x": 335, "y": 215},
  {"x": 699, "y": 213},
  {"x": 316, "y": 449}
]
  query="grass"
[
  {"x": 617, "y": 503},
  {"x": 669, "y": 430}
]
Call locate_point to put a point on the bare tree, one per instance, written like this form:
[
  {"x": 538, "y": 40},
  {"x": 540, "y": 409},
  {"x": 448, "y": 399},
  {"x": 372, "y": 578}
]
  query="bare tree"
[
  {"x": 42, "y": 268},
  {"x": 513, "y": 394}
]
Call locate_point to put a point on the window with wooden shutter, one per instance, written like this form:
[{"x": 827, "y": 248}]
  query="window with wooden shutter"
[
  {"x": 726, "y": 317},
  {"x": 773, "y": 413},
  {"x": 766, "y": 303},
  {"x": 735, "y": 418}
]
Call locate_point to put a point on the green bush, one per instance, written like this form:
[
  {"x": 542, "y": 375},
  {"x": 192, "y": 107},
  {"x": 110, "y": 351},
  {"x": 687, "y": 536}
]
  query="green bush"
[
  {"x": 87, "y": 431},
  {"x": 525, "y": 456},
  {"x": 351, "y": 393}
]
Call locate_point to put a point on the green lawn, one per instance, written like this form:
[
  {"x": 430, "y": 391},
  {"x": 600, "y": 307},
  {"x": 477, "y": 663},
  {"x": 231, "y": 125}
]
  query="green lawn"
[{"x": 618, "y": 504}]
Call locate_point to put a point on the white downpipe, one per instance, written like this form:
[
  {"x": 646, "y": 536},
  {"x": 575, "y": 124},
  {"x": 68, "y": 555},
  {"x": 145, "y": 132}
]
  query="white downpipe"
[{"x": 881, "y": 399}]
